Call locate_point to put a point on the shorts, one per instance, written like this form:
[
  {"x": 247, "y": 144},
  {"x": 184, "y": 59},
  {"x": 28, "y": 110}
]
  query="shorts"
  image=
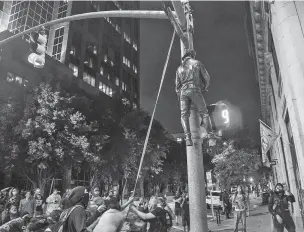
[{"x": 177, "y": 211}]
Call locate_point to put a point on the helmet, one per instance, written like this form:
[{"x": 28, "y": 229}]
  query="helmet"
[{"x": 189, "y": 53}]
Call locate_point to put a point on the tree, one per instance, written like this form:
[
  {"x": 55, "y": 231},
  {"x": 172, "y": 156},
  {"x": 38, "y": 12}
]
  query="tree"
[
  {"x": 135, "y": 127},
  {"x": 239, "y": 159},
  {"x": 55, "y": 135}
]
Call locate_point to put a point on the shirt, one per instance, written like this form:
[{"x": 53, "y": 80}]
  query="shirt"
[
  {"x": 239, "y": 202},
  {"x": 158, "y": 224},
  {"x": 27, "y": 206}
]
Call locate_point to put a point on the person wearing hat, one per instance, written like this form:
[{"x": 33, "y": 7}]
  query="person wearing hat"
[
  {"x": 279, "y": 208},
  {"x": 192, "y": 80}
]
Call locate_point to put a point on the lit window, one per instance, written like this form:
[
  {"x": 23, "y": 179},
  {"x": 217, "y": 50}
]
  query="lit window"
[
  {"x": 101, "y": 70},
  {"x": 74, "y": 68},
  {"x": 117, "y": 81},
  {"x": 105, "y": 58},
  {"x": 108, "y": 76},
  {"x": 106, "y": 89},
  {"x": 125, "y": 101},
  {"x": 112, "y": 63},
  {"x": 124, "y": 86},
  {"x": 127, "y": 38},
  {"x": 91, "y": 62},
  {"x": 134, "y": 106},
  {"x": 17, "y": 79},
  {"x": 135, "y": 46},
  {"x": 72, "y": 50},
  {"x": 88, "y": 78},
  {"x": 134, "y": 69}
]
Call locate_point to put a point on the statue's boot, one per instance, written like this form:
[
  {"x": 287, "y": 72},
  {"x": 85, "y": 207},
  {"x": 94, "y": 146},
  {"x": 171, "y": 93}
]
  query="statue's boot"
[{"x": 186, "y": 128}]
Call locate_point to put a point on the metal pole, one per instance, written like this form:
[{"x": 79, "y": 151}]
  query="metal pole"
[
  {"x": 195, "y": 163},
  {"x": 91, "y": 15}
]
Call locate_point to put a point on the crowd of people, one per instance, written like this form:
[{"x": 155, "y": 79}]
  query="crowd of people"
[{"x": 79, "y": 210}]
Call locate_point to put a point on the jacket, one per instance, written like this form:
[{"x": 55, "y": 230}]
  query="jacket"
[{"x": 192, "y": 74}]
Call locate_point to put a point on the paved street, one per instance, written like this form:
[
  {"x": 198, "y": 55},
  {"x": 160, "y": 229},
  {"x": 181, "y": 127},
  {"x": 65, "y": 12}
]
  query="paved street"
[{"x": 258, "y": 221}]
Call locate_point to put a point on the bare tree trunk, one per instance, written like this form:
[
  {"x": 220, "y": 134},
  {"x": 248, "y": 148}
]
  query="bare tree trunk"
[{"x": 67, "y": 169}]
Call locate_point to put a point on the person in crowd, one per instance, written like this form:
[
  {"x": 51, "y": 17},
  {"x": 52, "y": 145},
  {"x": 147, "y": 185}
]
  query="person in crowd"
[
  {"x": 278, "y": 206},
  {"x": 27, "y": 205},
  {"x": 156, "y": 216},
  {"x": 185, "y": 212},
  {"x": 14, "y": 197},
  {"x": 177, "y": 209},
  {"x": 53, "y": 202},
  {"x": 113, "y": 219},
  {"x": 143, "y": 206},
  {"x": 12, "y": 213},
  {"x": 77, "y": 221},
  {"x": 16, "y": 225},
  {"x": 64, "y": 202},
  {"x": 38, "y": 204},
  {"x": 239, "y": 201},
  {"x": 227, "y": 205},
  {"x": 96, "y": 200}
]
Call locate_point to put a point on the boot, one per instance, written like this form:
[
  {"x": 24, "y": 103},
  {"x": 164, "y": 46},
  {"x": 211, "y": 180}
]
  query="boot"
[{"x": 186, "y": 128}]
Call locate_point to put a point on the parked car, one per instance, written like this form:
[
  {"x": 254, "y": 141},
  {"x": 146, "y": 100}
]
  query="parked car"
[{"x": 216, "y": 196}]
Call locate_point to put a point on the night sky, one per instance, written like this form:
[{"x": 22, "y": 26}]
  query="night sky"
[{"x": 221, "y": 45}]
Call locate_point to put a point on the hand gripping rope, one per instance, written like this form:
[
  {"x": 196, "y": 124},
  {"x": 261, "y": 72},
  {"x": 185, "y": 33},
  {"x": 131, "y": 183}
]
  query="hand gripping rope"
[{"x": 152, "y": 117}]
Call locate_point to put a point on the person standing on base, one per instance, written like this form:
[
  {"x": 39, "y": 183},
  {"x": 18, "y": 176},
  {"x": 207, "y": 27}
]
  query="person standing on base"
[{"x": 278, "y": 206}]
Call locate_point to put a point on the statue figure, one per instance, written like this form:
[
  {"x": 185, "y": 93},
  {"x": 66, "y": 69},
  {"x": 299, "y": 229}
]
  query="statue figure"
[{"x": 192, "y": 80}]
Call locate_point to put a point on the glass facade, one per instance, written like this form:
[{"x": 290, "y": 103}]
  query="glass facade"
[{"x": 27, "y": 14}]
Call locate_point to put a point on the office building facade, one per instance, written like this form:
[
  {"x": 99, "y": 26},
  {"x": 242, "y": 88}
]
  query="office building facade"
[
  {"x": 276, "y": 42},
  {"x": 102, "y": 52}
]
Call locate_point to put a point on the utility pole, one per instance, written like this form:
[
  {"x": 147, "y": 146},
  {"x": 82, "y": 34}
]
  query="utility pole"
[{"x": 195, "y": 163}]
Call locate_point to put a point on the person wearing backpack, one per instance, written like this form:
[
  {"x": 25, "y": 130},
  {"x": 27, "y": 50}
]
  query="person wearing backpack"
[
  {"x": 156, "y": 217},
  {"x": 74, "y": 219}
]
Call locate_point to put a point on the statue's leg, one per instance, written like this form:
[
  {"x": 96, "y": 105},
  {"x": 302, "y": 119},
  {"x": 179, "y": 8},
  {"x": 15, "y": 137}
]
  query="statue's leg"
[
  {"x": 199, "y": 101},
  {"x": 185, "y": 103}
]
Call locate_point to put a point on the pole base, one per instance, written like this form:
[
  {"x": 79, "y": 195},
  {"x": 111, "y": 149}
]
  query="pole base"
[{"x": 189, "y": 142}]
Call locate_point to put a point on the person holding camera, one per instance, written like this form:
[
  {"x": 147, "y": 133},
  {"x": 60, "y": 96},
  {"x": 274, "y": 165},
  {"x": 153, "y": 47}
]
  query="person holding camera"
[{"x": 53, "y": 202}]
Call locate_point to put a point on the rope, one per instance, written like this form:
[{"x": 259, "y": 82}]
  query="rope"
[{"x": 152, "y": 117}]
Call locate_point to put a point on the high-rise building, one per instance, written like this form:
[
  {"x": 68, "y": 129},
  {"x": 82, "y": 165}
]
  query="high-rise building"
[
  {"x": 103, "y": 52},
  {"x": 276, "y": 43}
]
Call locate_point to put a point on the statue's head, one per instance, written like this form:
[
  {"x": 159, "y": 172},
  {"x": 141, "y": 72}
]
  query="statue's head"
[{"x": 189, "y": 53}]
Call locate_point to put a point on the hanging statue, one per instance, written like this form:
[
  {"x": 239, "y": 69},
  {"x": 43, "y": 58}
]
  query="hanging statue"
[{"x": 192, "y": 80}]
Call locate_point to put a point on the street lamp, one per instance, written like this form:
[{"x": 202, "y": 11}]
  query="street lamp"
[{"x": 251, "y": 179}]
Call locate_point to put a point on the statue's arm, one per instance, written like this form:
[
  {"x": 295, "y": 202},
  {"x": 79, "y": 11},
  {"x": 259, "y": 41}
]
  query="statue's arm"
[{"x": 205, "y": 76}]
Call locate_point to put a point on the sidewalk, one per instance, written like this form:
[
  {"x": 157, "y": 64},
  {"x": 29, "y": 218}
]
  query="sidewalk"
[{"x": 259, "y": 220}]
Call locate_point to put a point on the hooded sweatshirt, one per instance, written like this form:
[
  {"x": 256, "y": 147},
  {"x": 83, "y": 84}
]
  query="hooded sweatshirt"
[{"x": 78, "y": 221}]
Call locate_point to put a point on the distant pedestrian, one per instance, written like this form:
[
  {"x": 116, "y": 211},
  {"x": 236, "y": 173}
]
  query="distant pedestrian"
[
  {"x": 177, "y": 209},
  {"x": 227, "y": 205},
  {"x": 39, "y": 204},
  {"x": 278, "y": 206},
  {"x": 239, "y": 201},
  {"x": 185, "y": 212}
]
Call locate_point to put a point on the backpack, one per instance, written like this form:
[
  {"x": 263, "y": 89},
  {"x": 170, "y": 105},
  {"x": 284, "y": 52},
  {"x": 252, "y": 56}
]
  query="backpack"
[
  {"x": 63, "y": 218},
  {"x": 169, "y": 220}
]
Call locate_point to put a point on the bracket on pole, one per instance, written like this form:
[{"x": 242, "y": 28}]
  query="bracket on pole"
[{"x": 175, "y": 24}]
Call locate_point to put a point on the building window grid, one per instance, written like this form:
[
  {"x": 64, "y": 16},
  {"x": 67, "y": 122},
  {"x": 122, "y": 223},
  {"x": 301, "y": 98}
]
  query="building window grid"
[
  {"x": 89, "y": 78},
  {"x": 62, "y": 10},
  {"x": 57, "y": 47},
  {"x": 106, "y": 89},
  {"x": 124, "y": 86}
]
